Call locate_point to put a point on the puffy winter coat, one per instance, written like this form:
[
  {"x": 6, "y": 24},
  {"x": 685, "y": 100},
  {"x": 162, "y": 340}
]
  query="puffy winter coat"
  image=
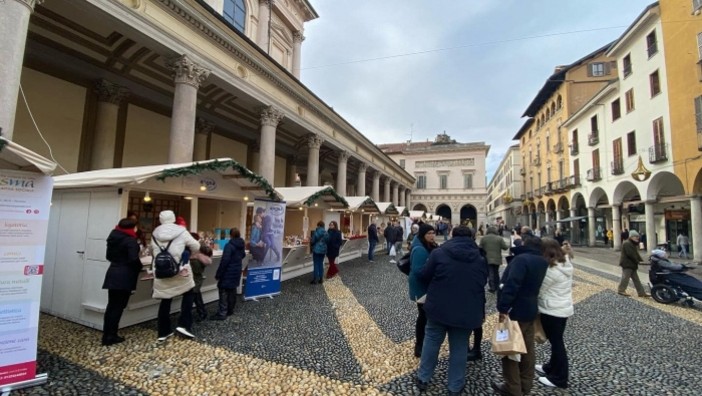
[
  {"x": 176, "y": 285},
  {"x": 123, "y": 255},
  {"x": 319, "y": 241},
  {"x": 521, "y": 283},
  {"x": 418, "y": 257},
  {"x": 493, "y": 245},
  {"x": 229, "y": 271},
  {"x": 334, "y": 243},
  {"x": 556, "y": 293}
]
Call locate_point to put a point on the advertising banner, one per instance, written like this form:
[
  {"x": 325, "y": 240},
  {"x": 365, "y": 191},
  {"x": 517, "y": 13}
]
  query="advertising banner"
[
  {"x": 24, "y": 214},
  {"x": 266, "y": 247}
]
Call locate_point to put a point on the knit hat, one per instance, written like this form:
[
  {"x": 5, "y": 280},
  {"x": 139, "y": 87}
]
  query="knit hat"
[
  {"x": 423, "y": 229},
  {"x": 181, "y": 221},
  {"x": 167, "y": 217},
  {"x": 633, "y": 233}
]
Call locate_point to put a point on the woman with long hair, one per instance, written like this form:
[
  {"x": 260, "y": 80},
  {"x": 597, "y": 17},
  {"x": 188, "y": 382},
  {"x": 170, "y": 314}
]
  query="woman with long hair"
[
  {"x": 555, "y": 306},
  {"x": 421, "y": 246},
  {"x": 333, "y": 247}
]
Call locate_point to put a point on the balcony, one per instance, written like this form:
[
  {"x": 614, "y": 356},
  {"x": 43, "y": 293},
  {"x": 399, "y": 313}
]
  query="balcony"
[
  {"x": 574, "y": 181},
  {"x": 593, "y": 139},
  {"x": 522, "y": 197},
  {"x": 537, "y": 161},
  {"x": 549, "y": 189},
  {"x": 617, "y": 167},
  {"x": 594, "y": 174},
  {"x": 539, "y": 192},
  {"x": 574, "y": 148},
  {"x": 658, "y": 153},
  {"x": 530, "y": 196},
  {"x": 522, "y": 171},
  {"x": 559, "y": 185},
  {"x": 558, "y": 148}
]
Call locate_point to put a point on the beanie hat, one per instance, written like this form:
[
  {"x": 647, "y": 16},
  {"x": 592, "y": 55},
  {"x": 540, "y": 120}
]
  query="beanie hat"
[
  {"x": 181, "y": 221},
  {"x": 423, "y": 229},
  {"x": 167, "y": 217},
  {"x": 633, "y": 233}
]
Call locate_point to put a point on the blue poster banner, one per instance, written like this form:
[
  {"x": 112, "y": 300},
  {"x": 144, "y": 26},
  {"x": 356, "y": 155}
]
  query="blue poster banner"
[{"x": 266, "y": 247}]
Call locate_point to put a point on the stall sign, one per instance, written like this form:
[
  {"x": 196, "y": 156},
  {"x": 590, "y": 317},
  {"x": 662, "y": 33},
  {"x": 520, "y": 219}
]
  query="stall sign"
[
  {"x": 677, "y": 215},
  {"x": 266, "y": 247},
  {"x": 24, "y": 213}
]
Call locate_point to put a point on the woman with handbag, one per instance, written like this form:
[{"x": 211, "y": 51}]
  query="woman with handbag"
[
  {"x": 333, "y": 247},
  {"x": 421, "y": 246},
  {"x": 555, "y": 306}
]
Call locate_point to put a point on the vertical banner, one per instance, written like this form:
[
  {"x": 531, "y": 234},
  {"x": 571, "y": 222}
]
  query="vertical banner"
[
  {"x": 24, "y": 214},
  {"x": 266, "y": 247}
]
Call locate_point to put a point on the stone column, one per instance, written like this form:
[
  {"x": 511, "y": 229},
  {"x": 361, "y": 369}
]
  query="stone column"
[
  {"x": 402, "y": 195},
  {"x": 651, "y": 240},
  {"x": 386, "y": 190},
  {"x": 13, "y": 37},
  {"x": 548, "y": 220},
  {"x": 395, "y": 196},
  {"x": 292, "y": 171},
  {"x": 110, "y": 97},
  {"x": 574, "y": 226},
  {"x": 203, "y": 130},
  {"x": 314, "y": 142},
  {"x": 361, "y": 184},
  {"x": 270, "y": 117},
  {"x": 298, "y": 38},
  {"x": 341, "y": 172},
  {"x": 617, "y": 227},
  {"x": 408, "y": 195},
  {"x": 264, "y": 15},
  {"x": 558, "y": 219},
  {"x": 696, "y": 220},
  {"x": 376, "y": 186},
  {"x": 188, "y": 77},
  {"x": 591, "y": 226}
]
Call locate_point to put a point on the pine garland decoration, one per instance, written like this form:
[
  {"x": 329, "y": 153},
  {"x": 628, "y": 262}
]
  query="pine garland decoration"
[
  {"x": 216, "y": 165},
  {"x": 310, "y": 201}
]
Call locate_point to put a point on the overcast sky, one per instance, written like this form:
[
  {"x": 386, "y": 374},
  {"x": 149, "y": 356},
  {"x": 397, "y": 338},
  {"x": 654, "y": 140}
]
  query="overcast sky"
[{"x": 475, "y": 64}]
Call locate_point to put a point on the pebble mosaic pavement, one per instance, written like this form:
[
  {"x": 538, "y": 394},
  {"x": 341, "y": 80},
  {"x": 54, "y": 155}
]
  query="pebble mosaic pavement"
[{"x": 354, "y": 335}]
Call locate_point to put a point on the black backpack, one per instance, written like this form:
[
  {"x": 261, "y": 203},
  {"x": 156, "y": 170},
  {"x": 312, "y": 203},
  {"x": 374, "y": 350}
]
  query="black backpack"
[
  {"x": 404, "y": 264},
  {"x": 165, "y": 265}
]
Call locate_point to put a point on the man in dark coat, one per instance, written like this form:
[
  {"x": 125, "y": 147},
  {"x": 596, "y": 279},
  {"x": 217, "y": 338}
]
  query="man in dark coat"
[
  {"x": 456, "y": 275},
  {"x": 517, "y": 298},
  {"x": 399, "y": 238},
  {"x": 229, "y": 274},
  {"x": 372, "y": 240},
  {"x": 389, "y": 234},
  {"x": 629, "y": 261}
]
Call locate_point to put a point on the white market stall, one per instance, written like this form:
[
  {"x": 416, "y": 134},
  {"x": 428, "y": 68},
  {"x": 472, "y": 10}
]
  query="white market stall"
[
  {"x": 305, "y": 207},
  {"x": 25, "y": 196},
  {"x": 417, "y": 215},
  {"x": 388, "y": 214},
  {"x": 210, "y": 195},
  {"x": 352, "y": 218}
]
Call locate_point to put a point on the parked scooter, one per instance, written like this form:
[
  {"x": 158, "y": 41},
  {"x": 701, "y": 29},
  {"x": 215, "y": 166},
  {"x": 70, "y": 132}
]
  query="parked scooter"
[{"x": 669, "y": 282}]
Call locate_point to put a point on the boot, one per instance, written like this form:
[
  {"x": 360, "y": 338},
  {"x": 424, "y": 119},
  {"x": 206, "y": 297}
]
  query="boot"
[
  {"x": 222, "y": 305},
  {"x": 474, "y": 354}
]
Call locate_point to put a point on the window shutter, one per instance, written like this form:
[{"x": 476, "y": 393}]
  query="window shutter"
[
  {"x": 698, "y": 113},
  {"x": 607, "y": 68},
  {"x": 699, "y": 43}
]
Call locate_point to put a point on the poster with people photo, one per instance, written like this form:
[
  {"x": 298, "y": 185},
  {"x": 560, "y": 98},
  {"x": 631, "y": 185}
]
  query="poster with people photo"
[{"x": 266, "y": 247}]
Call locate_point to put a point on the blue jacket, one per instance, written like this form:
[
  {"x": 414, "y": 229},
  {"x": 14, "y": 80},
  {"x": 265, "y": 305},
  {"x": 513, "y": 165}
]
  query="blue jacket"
[
  {"x": 418, "y": 257},
  {"x": 319, "y": 241},
  {"x": 333, "y": 243},
  {"x": 229, "y": 271},
  {"x": 457, "y": 274},
  {"x": 521, "y": 283}
]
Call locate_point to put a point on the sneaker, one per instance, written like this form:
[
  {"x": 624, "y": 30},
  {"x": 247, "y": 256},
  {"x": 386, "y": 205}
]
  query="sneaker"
[
  {"x": 421, "y": 385},
  {"x": 545, "y": 381},
  {"x": 161, "y": 339},
  {"x": 184, "y": 332},
  {"x": 393, "y": 261},
  {"x": 625, "y": 294},
  {"x": 539, "y": 368},
  {"x": 645, "y": 295}
]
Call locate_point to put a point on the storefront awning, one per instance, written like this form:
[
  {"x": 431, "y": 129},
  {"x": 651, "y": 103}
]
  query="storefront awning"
[
  {"x": 227, "y": 167},
  {"x": 14, "y": 156},
  {"x": 387, "y": 208},
  {"x": 365, "y": 203},
  {"x": 569, "y": 219},
  {"x": 307, "y": 196}
]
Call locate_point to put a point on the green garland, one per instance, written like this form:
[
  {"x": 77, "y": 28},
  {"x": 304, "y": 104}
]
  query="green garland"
[
  {"x": 216, "y": 165},
  {"x": 310, "y": 201}
]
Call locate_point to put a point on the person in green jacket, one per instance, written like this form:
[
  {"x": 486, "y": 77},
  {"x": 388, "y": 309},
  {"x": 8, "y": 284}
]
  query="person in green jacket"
[
  {"x": 629, "y": 261},
  {"x": 493, "y": 245}
]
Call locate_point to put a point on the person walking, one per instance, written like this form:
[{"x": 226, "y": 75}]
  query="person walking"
[
  {"x": 493, "y": 245},
  {"x": 555, "y": 306},
  {"x": 389, "y": 234},
  {"x": 421, "y": 246},
  {"x": 456, "y": 275},
  {"x": 609, "y": 238},
  {"x": 333, "y": 247},
  {"x": 399, "y": 238},
  {"x": 372, "y": 241},
  {"x": 319, "y": 249},
  {"x": 629, "y": 261},
  {"x": 683, "y": 243},
  {"x": 182, "y": 284},
  {"x": 517, "y": 299},
  {"x": 229, "y": 274},
  {"x": 121, "y": 276}
]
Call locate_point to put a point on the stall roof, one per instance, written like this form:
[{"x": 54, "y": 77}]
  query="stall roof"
[
  {"x": 14, "y": 156},
  {"x": 402, "y": 210},
  {"x": 387, "y": 208},
  {"x": 366, "y": 203},
  {"x": 239, "y": 174},
  {"x": 298, "y": 196},
  {"x": 416, "y": 214}
]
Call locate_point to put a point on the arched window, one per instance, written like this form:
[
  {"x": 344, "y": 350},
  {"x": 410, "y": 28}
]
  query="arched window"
[
  {"x": 548, "y": 113},
  {"x": 553, "y": 108},
  {"x": 559, "y": 102},
  {"x": 235, "y": 13}
]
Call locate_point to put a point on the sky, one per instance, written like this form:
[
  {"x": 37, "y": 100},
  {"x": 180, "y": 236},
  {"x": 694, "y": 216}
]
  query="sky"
[{"x": 411, "y": 69}]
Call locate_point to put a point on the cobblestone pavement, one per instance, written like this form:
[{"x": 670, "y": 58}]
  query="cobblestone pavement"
[{"x": 353, "y": 335}]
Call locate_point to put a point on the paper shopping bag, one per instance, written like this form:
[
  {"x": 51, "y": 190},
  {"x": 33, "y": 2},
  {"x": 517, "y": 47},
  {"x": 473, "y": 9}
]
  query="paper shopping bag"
[
  {"x": 539, "y": 333},
  {"x": 507, "y": 339}
]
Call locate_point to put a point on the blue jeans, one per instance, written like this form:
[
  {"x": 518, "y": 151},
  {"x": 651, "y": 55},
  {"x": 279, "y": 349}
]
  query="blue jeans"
[
  {"x": 371, "y": 249},
  {"x": 318, "y": 261},
  {"x": 458, "y": 353}
]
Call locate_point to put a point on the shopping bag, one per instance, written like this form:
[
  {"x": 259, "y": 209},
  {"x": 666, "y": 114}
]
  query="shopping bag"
[
  {"x": 507, "y": 339},
  {"x": 392, "y": 251},
  {"x": 539, "y": 334}
]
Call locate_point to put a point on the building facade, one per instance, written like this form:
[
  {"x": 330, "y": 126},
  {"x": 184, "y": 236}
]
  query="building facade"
[
  {"x": 450, "y": 177},
  {"x": 504, "y": 192}
]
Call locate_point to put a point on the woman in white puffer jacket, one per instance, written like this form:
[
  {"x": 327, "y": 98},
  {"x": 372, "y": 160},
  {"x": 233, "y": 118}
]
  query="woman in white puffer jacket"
[{"x": 555, "y": 306}]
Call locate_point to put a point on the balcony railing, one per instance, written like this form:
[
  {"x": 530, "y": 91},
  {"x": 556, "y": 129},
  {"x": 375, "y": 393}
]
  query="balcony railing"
[
  {"x": 658, "y": 153},
  {"x": 530, "y": 195},
  {"x": 537, "y": 160},
  {"x": 574, "y": 148},
  {"x": 559, "y": 185},
  {"x": 593, "y": 139},
  {"x": 540, "y": 192},
  {"x": 574, "y": 181},
  {"x": 617, "y": 167},
  {"x": 522, "y": 197},
  {"x": 594, "y": 174},
  {"x": 558, "y": 148}
]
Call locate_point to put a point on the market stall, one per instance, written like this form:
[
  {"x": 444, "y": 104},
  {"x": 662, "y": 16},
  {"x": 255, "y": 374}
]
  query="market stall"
[
  {"x": 305, "y": 207},
  {"x": 417, "y": 215},
  {"x": 356, "y": 219},
  {"x": 388, "y": 214},
  {"x": 210, "y": 195}
]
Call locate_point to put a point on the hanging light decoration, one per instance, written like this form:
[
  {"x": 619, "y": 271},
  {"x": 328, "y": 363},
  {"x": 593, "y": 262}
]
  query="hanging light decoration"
[
  {"x": 641, "y": 173},
  {"x": 147, "y": 197}
]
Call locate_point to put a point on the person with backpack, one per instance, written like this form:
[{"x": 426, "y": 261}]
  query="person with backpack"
[
  {"x": 168, "y": 241},
  {"x": 421, "y": 246},
  {"x": 319, "y": 249},
  {"x": 229, "y": 274}
]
